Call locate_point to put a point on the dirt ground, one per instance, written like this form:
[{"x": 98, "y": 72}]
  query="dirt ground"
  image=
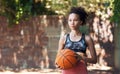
[
  {"x": 51, "y": 71},
  {"x": 45, "y": 71}
]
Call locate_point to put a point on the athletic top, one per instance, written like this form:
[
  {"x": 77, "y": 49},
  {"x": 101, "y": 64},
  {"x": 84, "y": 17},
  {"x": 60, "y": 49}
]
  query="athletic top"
[{"x": 77, "y": 46}]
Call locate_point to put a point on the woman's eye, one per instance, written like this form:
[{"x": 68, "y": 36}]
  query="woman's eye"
[
  {"x": 69, "y": 20},
  {"x": 76, "y": 20}
]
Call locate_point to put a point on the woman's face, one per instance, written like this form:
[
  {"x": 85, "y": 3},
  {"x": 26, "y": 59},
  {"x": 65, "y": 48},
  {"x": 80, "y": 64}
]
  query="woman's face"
[{"x": 74, "y": 21}]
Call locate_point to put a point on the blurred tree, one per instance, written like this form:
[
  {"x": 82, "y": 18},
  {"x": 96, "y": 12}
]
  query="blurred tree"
[
  {"x": 16, "y": 10},
  {"x": 63, "y": 6},
  {"x": 116, "y": 20}
]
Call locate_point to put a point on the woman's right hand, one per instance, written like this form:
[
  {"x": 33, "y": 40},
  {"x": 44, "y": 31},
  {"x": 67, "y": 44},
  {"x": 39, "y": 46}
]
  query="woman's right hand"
[{"x": 80, "y": 56}]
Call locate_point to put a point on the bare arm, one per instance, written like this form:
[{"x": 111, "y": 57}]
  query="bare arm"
[
  {"x": 91, "y": 48},
  {"x": 61, "y": 43}
]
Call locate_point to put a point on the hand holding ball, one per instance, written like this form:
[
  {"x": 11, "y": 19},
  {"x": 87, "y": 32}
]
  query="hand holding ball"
[{"x": 66, "y": 59}]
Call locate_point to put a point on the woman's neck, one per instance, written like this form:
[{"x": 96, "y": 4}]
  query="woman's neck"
[{"x": 75, "y": 33}]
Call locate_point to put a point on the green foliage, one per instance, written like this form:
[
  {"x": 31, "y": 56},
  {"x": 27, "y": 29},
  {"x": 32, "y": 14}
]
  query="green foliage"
[
  {"x": 39, "y": 8},
  {"x": 16, "y": 10},
  {"x": 84, "y": 29},
  {"x": 74, "y": 2},
  {"x": 61, "y": 6},
  {"x": 116, "y": 16}
]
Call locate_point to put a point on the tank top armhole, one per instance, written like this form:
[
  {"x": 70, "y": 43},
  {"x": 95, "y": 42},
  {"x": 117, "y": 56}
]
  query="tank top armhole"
[
  {"x": 66, "y": 37},
  {"x": 84, "y": 38}
]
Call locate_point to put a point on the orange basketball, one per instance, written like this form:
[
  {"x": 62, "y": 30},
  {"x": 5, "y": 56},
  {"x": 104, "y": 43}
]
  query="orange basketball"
[{"x": 66, "y": 59}]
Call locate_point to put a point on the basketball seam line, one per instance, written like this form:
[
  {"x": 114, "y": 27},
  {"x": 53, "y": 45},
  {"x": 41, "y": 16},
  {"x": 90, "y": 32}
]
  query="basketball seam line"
[{"x": 67, "y": 59}]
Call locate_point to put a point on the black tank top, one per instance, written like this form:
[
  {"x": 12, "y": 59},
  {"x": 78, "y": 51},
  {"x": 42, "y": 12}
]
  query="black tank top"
[{"x": 77, "y": 46}]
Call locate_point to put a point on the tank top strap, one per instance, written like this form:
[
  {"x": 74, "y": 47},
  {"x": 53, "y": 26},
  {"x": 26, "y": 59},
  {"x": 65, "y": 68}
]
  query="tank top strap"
[
  {"x": 83, "y": 36},
  {"x": 68, "y": 35},
  {"x": 67, "y": 38}
]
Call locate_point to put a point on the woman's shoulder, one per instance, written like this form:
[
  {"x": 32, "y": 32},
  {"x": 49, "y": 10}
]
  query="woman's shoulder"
[
  {"x": 63, "y": 37},
  {"x": 88, "y": 38}
]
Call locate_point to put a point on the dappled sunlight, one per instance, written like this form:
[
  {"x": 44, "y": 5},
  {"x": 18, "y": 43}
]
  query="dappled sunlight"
[{"x": 102, "y": 34}]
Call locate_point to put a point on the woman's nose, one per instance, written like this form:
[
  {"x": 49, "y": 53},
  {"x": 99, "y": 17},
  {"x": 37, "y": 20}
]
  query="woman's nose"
[{"x": 72, "y": 22}]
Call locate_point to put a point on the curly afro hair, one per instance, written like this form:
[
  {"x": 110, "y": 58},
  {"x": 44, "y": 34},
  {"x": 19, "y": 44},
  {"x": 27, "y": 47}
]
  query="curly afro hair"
[{"x": 81, "y": 12}]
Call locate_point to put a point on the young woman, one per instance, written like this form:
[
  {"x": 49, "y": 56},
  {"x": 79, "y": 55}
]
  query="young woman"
[{"x": 77, "y": 41}]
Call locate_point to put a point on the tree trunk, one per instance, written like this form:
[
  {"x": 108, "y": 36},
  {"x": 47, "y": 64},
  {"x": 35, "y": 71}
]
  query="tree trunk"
[{"x": 117, "y": 46}]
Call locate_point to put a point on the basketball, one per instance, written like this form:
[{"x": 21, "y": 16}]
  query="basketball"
[{"x": 66, "y": 59}]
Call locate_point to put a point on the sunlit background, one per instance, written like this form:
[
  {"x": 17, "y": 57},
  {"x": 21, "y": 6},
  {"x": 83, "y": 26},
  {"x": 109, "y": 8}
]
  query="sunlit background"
[{"x": 30, "y": 30}]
